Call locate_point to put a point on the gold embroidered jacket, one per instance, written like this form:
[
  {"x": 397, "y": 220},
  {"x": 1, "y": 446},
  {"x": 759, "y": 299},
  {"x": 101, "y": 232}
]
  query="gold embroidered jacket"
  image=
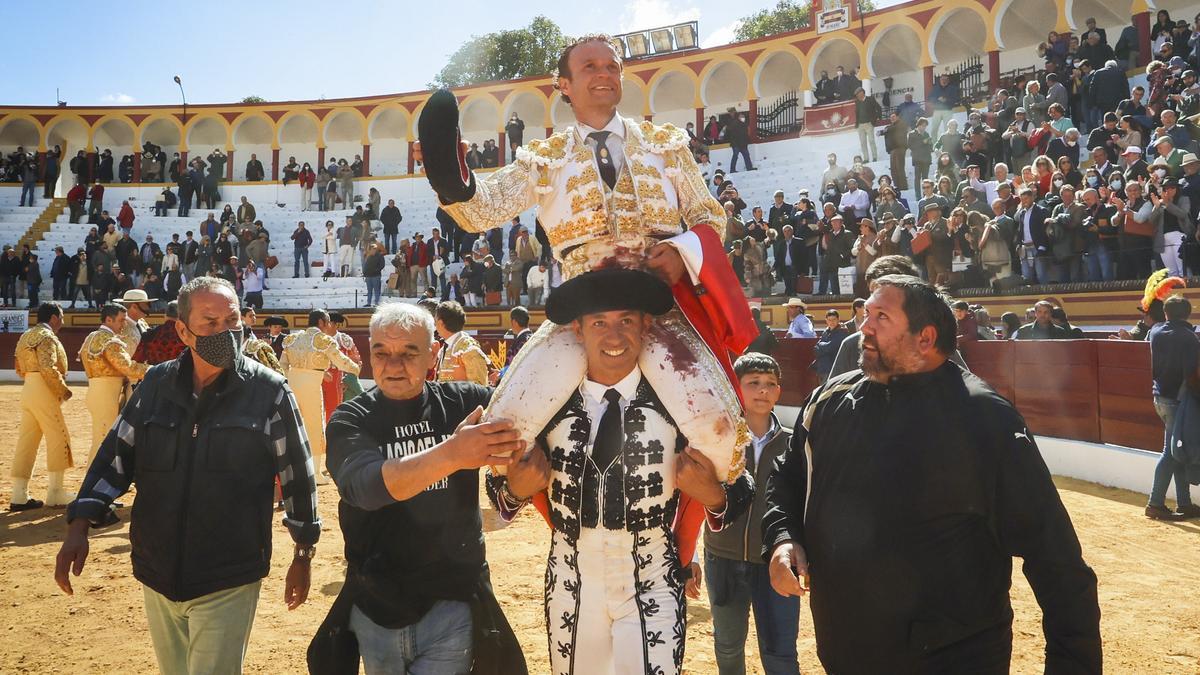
[
  {"x": 261, "y": 351},
  {"x": 106, "y": 354},
  {"x": 39, "y": 351},
  {"x": 584, "y": 220},
  {"x": 132, "y": 331},
  {"x": 314, "y": 350},
  {"x": 462, "y": 359}
]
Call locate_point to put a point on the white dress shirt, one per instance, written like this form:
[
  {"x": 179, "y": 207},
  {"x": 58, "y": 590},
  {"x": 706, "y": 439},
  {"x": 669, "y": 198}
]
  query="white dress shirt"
[
  {"x": 857, "y": 200},
  {"x": 595, "y": 403}
]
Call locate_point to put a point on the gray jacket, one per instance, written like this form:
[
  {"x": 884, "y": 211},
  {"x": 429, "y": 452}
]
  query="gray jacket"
[{"x": 741, "y": 539}]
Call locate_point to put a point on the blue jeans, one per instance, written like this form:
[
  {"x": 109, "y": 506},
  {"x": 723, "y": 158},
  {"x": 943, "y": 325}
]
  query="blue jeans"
[
  {"x": 27, "y": 189},
  {"x": 391, "y": 242},
  {"x": 1168, "y": 467},
  {"x": 438, "y": 644},
  {"x": 298, "y": 255},
  {"x": 734, "y": 588},
  {"x": 744, "y": 151},
  {"x": 374, "y": 287},
  {"x": 1099, "y": 263},
  {"x": 320, "y": 198}
]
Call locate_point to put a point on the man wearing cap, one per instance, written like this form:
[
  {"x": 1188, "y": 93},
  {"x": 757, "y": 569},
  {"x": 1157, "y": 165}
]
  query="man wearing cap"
[
  {"x": 1170, "y": 155},
  {"x": 1016, "y": 136},
  {"x": 137, "y": 305},
  {"x": 162, "y": 342},
  {"x": 1135, "y": 165},
  {"x": 42, "y": 363},
  {"x": 307, "y": 356},
  {"x": 616, "y": 465},
  {"x": 1172, "y": 217},
  {"x": 109, "y": 368},
  {"x": 799, "y": 325}
]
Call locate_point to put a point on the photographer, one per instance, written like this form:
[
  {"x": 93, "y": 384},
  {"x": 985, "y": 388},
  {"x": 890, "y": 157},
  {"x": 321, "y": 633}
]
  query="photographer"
[
  {"x": 1099, "y": 235},
  {"x": 729, "y": 193},
  {"x": 1138, "y": 232},
  {"x": 1066, "y": 236},
  {"x": 1171, "y": 216}
]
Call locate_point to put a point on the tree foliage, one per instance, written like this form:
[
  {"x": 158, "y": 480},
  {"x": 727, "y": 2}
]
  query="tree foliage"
[
  {"x": 786, "y": 16},
  {"x": 505, "y": 55},
  {"x": 254, "y": 99}
]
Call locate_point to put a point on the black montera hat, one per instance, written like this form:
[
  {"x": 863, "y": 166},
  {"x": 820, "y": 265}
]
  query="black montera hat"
[{"x": 608, "y": 290}]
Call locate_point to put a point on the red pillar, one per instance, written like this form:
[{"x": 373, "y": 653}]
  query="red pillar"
[
  {"x": 994, "y": 69},
  {"x": 320, "y": 159},
  {"x": 183, "y": 162},
  {"x": 752, "y": 120},
  {"x": 700, "y": 122},
  {"x": 137, "y": 168},
  {"x": 501, "y": 148},
  {"x": 1141, "y": 21},
  {"x": 366, "y": 155},
  {"x": 92, "y": 167},
  {"x": 41, "y": 160},
  {"x": 928, "y": 71},
  {"x": 275, "y": 164},
  {"x": 649, "y": 118},
  {"x": 229, "y": 165},
  {"x": 412, "y": 161},
  {"x": 549, "y": 130}
]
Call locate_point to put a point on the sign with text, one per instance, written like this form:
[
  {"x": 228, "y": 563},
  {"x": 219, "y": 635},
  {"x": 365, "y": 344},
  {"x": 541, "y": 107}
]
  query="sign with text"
[
  {"x": 14, "y": 321},
  {"x": 831, "y": 15}
]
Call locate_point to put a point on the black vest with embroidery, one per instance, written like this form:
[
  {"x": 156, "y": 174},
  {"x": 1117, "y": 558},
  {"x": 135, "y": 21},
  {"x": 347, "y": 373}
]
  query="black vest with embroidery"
[{"x": 639, "y": 487}]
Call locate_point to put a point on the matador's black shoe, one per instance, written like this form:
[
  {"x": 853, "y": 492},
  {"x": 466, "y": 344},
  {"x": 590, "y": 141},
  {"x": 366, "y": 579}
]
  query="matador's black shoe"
[
  {"x": 29, "y": 505},
  {"x": 442, "y": 153}
]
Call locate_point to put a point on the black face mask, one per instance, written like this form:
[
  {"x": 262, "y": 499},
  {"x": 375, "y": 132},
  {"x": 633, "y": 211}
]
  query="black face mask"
[{"x": 219, "y": 349}]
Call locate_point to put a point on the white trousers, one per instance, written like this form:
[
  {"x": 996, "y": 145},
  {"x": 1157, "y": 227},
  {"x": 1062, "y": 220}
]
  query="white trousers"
[
  {"x": 41, "y": 416},
  {"x": 1172, "y": 254},
  {"x": 104, "y": 404},
  {"x": 331, "y": 263},
  {"x": 306, "y": 385},
  {"x": 613, "y": 606},
  {"x": 346, "y": 260}
]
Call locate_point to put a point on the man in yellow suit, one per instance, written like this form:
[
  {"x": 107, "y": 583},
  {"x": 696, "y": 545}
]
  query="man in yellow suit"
[
  {"x": 109, "y": 366},
  {"x": 42, "y": 363},
  {"x": 461, "y": 359},
  {"x": 306, "y": 357}
]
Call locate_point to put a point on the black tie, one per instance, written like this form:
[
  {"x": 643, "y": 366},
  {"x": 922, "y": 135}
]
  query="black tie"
[
  {"x": 608, "y": 171},
  {"x": 609, "y": 436}
]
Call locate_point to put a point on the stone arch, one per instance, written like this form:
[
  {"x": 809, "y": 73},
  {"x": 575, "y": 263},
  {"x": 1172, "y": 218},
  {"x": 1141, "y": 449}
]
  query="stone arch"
[
  {"x": 778, "y": 72},
  {"x": 206, "y": 132},
  {"x": 1012, "y": 27},
  {"x": 561, "y": 114},
  {"x": 837, "y": 49},
  {"x": 633, "y": 97},
  {"x": 1111, "y": 16},
  {"x": 724, "y": 82},
  {"x": 959, "y": 32},
  {"x": 299, "y": 126},
  {"x": 903, "y": 51},
  {"x": 254, "y": 134},
  {"x": 69, "y": 131},
  {"x": 389, "y": 128},
  {"x": 342, "y": 133},
  {"x": 530, "y": 106},
  {"x": 19, "y": 131},
  {"x": 480, "y": 118},
  {"x": 161, "y": 130},
  {"x": 675, "y": 78}
]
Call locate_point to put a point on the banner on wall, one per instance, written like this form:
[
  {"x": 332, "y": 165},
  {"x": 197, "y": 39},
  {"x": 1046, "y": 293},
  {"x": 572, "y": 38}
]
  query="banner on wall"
[
  {"x": 829, "y": 119},
  {"x": 14, "y": 321}
]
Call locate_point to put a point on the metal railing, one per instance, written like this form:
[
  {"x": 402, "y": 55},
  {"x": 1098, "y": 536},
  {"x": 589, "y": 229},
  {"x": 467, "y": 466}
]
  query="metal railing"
[{"x": 781, "y": 117}]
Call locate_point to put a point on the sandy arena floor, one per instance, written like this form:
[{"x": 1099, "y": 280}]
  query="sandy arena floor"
[{"x": 1149, "y": 584}]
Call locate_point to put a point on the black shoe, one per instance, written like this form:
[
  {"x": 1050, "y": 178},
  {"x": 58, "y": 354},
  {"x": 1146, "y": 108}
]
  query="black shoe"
[
  {"x": 27, "y": 506},
  {"x": 1162, "y": 513},
  {"x": 1189, "y": 511}
]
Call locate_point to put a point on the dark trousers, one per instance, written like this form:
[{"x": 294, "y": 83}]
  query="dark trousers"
[
  {"x": 920, "y": 173},
  {"x": 185, "y": 204},
  {"x": 1136, "y": 255},
  {"x": 788, "y": 274},
  {"x": 32, "y": 293},
  {"x": 60, "y": 289},
  {"x": 829, "y": 283},
  {"x": 51, "y": 184},
  {"x": 254, "y": 299},
  {"x": 8, "y": 290},
  {"x": 27, "y": 189},
  {"x": 897, "y": 165},
  {"x": 744, "y": 151},
  {"x": 735, "y": 588},
  {"x": 391, "y": 242},
  {"x": 298, "y": 255},
  {"x": 76, "y": 212}
]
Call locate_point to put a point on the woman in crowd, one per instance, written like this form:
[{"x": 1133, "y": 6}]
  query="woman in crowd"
[
  {"x": 373, "y": 202},
  {"x": 228, "y": 217},
  {"x": 945, "y": 167},
  {"x": 1131, "y": 134},
  {"x": 737, "y": 260},
  {"x": 888, "y": 204},
  {"x": 204, "y": 255},
  {"x": 1070, "y": 174},
  {"x": 400, "y": 265},
  {"x": 306, "y": 179},
  {"x": 1044, "y": 173},
  {"x": 372, "y": 268}
]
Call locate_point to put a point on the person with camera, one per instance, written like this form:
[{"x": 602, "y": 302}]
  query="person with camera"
[
  {"x": 1138, "y": 232},
  {"x": 836, "y": 244}
]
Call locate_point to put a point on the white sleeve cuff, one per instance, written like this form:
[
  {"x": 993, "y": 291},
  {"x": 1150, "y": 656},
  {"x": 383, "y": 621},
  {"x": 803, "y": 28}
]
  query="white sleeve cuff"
[{"x": 688, "y": 245}]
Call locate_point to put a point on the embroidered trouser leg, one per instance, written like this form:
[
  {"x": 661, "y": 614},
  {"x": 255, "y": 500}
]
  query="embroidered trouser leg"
[
  {"x": 306, "y": 385},
  {"x": 614, "y": 604},
  {"x": 41, "y": 416},
  {"x": 104, "y": 404}
]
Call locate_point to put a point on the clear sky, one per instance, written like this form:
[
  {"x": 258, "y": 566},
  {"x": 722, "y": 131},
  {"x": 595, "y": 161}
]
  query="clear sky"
[{"x": 126, "y": 52}]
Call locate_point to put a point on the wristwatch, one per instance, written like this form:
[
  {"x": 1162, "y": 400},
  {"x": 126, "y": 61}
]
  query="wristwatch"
[{"x": 308, "y": 552}]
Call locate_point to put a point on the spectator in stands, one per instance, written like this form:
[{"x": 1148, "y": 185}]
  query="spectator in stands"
[
  {"x": 944, "y": 97},
  {"x": 515, "y": 133},
  {"x": 1137, "y": 242},
  {"x": 291, "y": 170},
  {"x": 1174, "y": 350},
  {"x": 799, "y": 325},
  {"x": 835, "y": 174},
  {"x": 390, "y": 217},
  {"x": 1171, "y": 216},
  {"x": 1135, "y": 165},
  {"x": 968, "y": 327},
  {"x": 789, "y": 252},
  {"x": 855, "y": 202},
  {"x": 535, "y": 281},
  {"x": 780, "y": 214},
  {"x": 835, "y": 254},
  {"x": 1179, "y": 137},
  {"x": 322, "y": 181},
  {"x": 1033, "y": 244},
  {"x": 712, "y": 131},
  {"x": 866, "y": 112},
  {"x": 1042, "y": 327},
  {"x": 864, "y": 250},
  {"x": 80, "y": 281},
  {"x": 306, "y": 178},
  {"x": 345, "y": 180},
  {"x": 373, "y": 273},
  {"x": 895, "y": 140},
  {"x": 737, "y": 133},
  {"x": 493, "y": 281},
  {"x": 735, "y": 229},
  {"x": 756, "y": 269},
  {"x": 254, "y": 169},
  {"x": 60, "y": 273},
  {"x": 920, "y": 145},
  {"x": 50, "y": 171},
  {"x": 826, "y": 348},
  {"x": 825, "y": 91},
  {"x": 996, "y": 243}
]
